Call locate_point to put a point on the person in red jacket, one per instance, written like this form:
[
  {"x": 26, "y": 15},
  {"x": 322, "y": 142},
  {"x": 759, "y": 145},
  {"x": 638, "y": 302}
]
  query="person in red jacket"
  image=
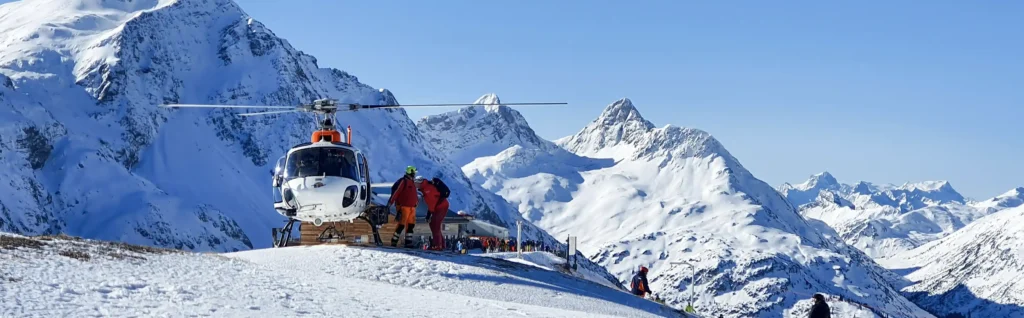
[
  {"x": 437, "y": 208},
  {"x": 403, "y": 195}
]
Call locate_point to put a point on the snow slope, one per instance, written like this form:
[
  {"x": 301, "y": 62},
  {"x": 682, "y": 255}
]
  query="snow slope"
[
  {"x": 663, "y": 197},
  {"x": 67, "y": 277},
  {"x": 86, "y": 151},
  {"x": 884, "y": 220},
  {"x": 552, "y": 262},
  {"x": 977, "y": 270}
]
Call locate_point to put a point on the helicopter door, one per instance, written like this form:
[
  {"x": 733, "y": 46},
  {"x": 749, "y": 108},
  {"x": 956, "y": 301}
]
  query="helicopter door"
[
  {"x": 278, "y": 177},
  {"x": 362, "y": 174}
]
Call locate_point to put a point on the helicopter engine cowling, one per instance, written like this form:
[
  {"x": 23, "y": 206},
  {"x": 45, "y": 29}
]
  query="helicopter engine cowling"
[{"x": 325, "y": 199}]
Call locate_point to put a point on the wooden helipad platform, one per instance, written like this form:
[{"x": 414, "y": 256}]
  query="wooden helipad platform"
[{"x": 358, "y": 232}]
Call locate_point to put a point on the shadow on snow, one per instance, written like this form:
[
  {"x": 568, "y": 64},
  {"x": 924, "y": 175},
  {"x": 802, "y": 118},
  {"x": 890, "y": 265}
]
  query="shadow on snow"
[{"x": 527, "y": 275}]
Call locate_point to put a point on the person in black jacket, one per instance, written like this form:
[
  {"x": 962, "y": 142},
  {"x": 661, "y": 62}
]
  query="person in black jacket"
[
  {"x": 820, "y": 308},
  {"x": 639, "y": 285}
]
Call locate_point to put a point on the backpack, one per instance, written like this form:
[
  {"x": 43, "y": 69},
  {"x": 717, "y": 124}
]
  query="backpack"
[{"x": 442, "y": 188}]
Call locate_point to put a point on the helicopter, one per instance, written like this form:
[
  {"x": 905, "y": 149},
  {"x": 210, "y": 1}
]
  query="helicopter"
[{"x": 326, "y": 179}]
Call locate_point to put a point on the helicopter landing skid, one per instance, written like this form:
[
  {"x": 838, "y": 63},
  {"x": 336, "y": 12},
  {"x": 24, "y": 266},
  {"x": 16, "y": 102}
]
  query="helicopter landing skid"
[
  {"x": 330, "y": 235},
  {"x": 376, "y": 231},
  {"x": 376, "y": 217},
  {"x": 283, "y": 235}
]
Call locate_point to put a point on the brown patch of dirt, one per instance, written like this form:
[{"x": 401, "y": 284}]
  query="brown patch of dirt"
[
  {"x": 141, "y": 249},
  {"x": 118, "y": 255},
  {"x": 61, "y": 236},
  {"x": 79, "y": 255},
  {"x": 13, "y": 242}
]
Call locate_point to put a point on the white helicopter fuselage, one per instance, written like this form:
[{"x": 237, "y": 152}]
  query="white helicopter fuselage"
[{"x": 322, "y": 182}]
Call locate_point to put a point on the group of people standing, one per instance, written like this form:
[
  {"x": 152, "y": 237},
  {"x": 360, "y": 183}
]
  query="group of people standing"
[
  {"x": 405, "y": 198},
  {"x": 457, "y": 245},
  {"x": 496, "y": 245}
]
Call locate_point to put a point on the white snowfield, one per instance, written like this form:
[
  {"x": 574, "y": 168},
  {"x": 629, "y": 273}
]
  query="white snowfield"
[
  {"x": 52, "y": 278},
  {"x": 552, "y": 262}
]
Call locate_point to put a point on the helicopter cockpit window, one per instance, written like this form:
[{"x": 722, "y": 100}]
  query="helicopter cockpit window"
[
  {"x": 279, "y": 167},
  {"x": 323, "y": 161}
]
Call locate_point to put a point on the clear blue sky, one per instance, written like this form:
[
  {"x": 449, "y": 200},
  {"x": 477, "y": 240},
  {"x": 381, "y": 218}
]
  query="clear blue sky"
[{"x": 868, "y": 90}]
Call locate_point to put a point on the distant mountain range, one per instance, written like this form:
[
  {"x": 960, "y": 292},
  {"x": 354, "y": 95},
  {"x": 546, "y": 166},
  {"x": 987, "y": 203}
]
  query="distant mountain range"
[{"x": 883, "y": 220}]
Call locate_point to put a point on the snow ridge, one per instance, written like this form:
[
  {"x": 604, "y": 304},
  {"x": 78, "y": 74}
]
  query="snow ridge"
[{"x": 976, "y": 270}]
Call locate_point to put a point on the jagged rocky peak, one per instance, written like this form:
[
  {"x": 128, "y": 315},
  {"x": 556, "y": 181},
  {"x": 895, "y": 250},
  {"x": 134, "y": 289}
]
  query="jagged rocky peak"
[
  {"x": 808, "y": 191},
  {"x": 492, "y": 105},
  {"x": 937, "y": 192},
  {"x": 622, "y": 111},
  {"x": 864, "y": 188},
  {"x": 387, "y": 98},
  {"x": 822, "y": 180},
  {"x": 619, "y": 124},
  {"x": 473, "y": 132},
  {"x": 831, "y": 198},
  {"x": 927, "y": 186},
  {"x": 490, "y": 100}
]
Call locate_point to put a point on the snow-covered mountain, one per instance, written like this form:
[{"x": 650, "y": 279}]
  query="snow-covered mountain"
[
  {"x": 907, "y": 197},
  {"x": 883, "y": 220},
  {"x": 675, "y": 200},
  {"x": 86, "y": 151},
  {"x": 475, "y": 132},
  {"x": 1010, "y": 199},
  {"x": 977, "y": 271},
  {"x": 67, "y": 277}
]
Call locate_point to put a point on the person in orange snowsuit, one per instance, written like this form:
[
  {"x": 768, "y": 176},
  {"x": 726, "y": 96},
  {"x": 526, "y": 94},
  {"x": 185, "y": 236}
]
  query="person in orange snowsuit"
[
  {"x": 404, "y": 197},
  {"x": 437, "y": 208}
]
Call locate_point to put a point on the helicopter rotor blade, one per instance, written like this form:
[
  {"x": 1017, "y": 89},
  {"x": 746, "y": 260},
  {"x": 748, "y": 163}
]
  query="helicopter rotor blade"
[
  {"x": 271, "y": 112},
  {"x": 225, "y": 106},
  {"x": 455, "y": 105}
]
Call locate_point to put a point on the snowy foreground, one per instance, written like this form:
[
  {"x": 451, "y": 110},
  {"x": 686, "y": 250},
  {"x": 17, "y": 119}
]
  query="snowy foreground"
[{"x": 63, "y": 277}]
